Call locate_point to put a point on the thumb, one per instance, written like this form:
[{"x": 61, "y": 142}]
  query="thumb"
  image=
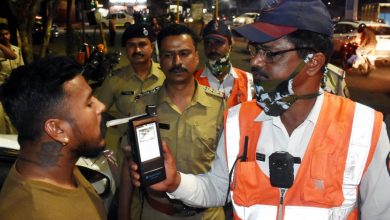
[{"x": 167, "y": 153}]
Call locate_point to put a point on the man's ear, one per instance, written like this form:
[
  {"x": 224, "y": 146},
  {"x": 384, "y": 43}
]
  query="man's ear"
[
  {"x": 57, "y": 130},
  {"x": 315, "y": 64}
]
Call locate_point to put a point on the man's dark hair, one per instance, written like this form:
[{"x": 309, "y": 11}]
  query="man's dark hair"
[
  {"x": 317, "y": 42},
  {"x": 175, "y": 30},
  {"x": 34, "y": 93},
  {"x": 4, "y": 26}
]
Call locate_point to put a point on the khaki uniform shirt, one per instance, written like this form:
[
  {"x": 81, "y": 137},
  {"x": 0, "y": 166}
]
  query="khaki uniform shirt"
[
  {"x": 192, "y": 137},
  {"x": 121, "y": 88},
  {"x": 21, "y": 198},
  {"x": 118, "y": 92},
  {"x": 6, "y": 126},
  {"x": 7, "y": 65}
]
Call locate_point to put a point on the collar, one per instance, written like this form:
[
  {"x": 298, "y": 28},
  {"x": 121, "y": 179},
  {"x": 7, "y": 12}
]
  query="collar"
[
  {"x": 155, "y": 71},
  {"x": 207, "y": 73},
  {"x": 200, "y": 96}
]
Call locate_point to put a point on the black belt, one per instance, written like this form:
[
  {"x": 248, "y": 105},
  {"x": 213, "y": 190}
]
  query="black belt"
[{"x": 174, "y": 208}]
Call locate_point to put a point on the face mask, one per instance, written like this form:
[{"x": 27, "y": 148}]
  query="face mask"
[
  {"x": 276, "y": 96},
  {"x": 220, "y": 66}
]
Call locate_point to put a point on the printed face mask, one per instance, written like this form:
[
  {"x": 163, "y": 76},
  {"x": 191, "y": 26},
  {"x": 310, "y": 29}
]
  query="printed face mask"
[
  {"x": 276, "y": 96},
  {"x": 219, "y": 66}
]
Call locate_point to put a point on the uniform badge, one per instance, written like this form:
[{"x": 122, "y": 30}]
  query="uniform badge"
[
  {"x": 127, "y": 93},
  {"x": 145, "y": 93},
  {"x": 388, "y": 163},
  {"x": 145, "y": 32}
]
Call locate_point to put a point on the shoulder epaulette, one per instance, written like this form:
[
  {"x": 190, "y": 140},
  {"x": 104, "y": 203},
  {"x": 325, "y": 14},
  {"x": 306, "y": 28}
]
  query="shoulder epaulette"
[
  {"x": 214, "y": 92},
  {"x": 120, "y": 71},
  {"x": 148, "y": 92}
]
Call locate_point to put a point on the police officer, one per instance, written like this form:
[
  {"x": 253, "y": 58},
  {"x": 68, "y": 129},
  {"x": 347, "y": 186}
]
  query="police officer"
[
  {"x": 142, "y": 74},
  {"x": 367, "y": 44},
  {"x": 10, "y": 55},
  {"x": 297, "y": 152},
  {"x": 192, "y": 115},
  {"x": 218, "y": 72},
  {"x": 10, "y": 58}
]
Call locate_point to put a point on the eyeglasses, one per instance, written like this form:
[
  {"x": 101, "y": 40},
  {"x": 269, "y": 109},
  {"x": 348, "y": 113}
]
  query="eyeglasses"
[
  {"x": 267, "y": 55},
  {"x": 268, "y": 5}
]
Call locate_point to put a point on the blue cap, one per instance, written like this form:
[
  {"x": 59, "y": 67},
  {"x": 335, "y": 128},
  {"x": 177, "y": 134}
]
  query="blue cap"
[
  {"x": 287, "y": 17},
  {"x": 217, "y": 29}
]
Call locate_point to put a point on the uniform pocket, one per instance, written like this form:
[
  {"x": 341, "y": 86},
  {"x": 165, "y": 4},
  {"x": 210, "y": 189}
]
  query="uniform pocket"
[
  {"x": 324, "y": 185},
  {"x": 124, "y": 104},
  {"x": 204, "y": 139},
  {"x": 251, "y": 186}
]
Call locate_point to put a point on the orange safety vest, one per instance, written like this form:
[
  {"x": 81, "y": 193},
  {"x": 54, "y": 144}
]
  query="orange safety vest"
[
  {"x": 326, "y": 185},
  {"x": 242, "y": 86}
]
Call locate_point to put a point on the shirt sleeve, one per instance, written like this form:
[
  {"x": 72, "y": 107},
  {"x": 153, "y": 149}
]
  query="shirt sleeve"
[
  {"x": 209, "y": 189},
  {"x": 375, "y": 185},
  {"x": 20, "y": 57},
  {"x": 105, "y": 93}
]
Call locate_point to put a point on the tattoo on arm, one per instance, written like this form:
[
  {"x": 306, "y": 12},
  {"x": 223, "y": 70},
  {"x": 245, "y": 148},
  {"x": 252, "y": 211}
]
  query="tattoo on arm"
[{"x": 49, "y": 153}]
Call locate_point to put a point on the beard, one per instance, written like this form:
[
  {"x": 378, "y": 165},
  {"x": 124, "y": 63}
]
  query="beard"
[{"x": 90, "y": 147}]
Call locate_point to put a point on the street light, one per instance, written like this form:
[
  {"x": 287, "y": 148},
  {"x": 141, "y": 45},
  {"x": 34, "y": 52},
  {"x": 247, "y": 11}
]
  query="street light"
[{"x": 216, "y": 9}]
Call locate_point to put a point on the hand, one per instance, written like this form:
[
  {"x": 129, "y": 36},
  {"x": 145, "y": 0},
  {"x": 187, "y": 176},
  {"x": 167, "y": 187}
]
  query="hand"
[{"x": 172, "y": 180}]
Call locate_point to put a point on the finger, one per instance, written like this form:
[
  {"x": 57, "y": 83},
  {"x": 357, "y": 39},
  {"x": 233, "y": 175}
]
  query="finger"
[
  {"x": 126, "y": 150},
  {"x": 135, "y": 178},
  {"x": 133, "y": 166},
  {"x": 167, "y": 151}
]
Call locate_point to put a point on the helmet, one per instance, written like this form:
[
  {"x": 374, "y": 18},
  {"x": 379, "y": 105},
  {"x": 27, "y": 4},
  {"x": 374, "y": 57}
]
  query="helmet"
[{"x": 361, "y": 27}]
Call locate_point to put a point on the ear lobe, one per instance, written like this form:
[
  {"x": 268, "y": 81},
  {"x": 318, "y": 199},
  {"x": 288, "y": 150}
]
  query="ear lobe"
[
  {"x": 55, "y": 128},
  {"x": 315, "y": 64}
]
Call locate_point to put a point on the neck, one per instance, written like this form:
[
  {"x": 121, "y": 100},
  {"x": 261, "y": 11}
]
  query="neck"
[
  {"x": 47, "y": 163},
  {"x": 301, "y": 108},
  {"x": 223, "y": 75},
  {"x": 181, "y": 94},
  {"x": 142, "y": 69},
  {"x": 297, "y": 114},
  {"x": 7, "y": 44}
]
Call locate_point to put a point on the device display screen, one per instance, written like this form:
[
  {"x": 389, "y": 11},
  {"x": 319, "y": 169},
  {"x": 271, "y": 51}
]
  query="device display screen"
[{"x": 148, "y": 141}]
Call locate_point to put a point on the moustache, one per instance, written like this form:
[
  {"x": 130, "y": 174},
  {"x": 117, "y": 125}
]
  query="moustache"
[
  {"x": 138, "y": 54},
  {"x": 177, "y": 69},
  {"x": 257, "y": 72}
]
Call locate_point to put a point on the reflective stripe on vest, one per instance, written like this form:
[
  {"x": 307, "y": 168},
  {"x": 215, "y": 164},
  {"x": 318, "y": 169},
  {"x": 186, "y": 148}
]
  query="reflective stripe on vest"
[
  {"x": 232, "y": 135},
  {"x": 358, "y": 151},
  {"x": 249, "y": 77}
]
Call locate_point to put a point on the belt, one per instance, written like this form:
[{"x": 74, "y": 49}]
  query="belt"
[{"x": 173, "y": 208}]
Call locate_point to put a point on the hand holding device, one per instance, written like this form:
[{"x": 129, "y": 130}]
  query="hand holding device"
[
  {"x": 172, "y": 180},
  {"x": 144, "y": 138}
]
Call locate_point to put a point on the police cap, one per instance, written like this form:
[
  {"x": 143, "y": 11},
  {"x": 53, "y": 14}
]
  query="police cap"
[{"x": 138, "y": 31}]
